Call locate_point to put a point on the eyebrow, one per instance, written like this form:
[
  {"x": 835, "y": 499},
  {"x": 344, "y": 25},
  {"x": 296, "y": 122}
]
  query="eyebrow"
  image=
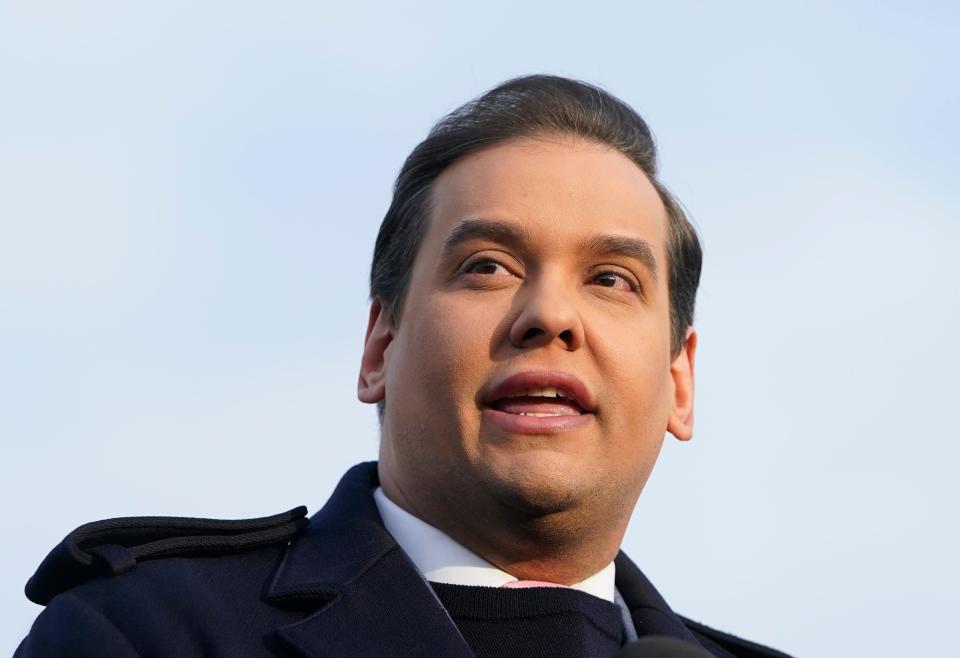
[
  {"x": 511, "y": 235},
  {"x": 488, "y": 229},
  {"x": 619, "y": 245}
]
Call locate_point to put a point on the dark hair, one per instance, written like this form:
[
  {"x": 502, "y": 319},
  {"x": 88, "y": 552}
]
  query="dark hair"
[{"x": 525, "y": 107}]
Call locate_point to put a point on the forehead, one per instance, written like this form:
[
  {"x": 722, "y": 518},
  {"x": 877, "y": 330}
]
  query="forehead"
[{"x": 560, "y": 189}]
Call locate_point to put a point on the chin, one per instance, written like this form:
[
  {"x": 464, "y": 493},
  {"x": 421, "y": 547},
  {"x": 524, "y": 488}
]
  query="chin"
[{"x": 540, "y": 485}]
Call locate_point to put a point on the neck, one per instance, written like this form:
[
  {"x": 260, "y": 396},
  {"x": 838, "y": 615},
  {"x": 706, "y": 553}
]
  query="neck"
[{"x": 563, "y": 547}]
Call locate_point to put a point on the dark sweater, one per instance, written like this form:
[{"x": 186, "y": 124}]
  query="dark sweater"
[{"x": 540, "y": 621}]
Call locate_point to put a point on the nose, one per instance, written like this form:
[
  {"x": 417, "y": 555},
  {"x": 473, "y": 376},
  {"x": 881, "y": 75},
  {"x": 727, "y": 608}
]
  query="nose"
[{"x": 548, "y": 313}]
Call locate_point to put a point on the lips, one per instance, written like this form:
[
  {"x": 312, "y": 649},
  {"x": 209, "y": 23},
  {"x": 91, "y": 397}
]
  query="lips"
[
  {"x": 540, "y": 394},
  {"x": 532, "y": 405}
]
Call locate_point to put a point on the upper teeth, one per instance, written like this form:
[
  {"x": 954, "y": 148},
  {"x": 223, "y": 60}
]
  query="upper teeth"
[{"x": 547, "y": 392}]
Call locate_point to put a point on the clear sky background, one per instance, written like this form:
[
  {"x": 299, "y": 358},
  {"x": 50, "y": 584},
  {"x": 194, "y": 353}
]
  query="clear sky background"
[{"x": 189, "y": 196}]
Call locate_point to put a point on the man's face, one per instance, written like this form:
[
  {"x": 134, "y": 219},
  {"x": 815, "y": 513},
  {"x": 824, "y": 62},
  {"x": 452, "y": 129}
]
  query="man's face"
[{"x": 544, "y": 261}]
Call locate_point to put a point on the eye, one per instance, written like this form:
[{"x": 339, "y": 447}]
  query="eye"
[
  {"x": 614, "y": 280},
  {"x": 487, "y": 266}
]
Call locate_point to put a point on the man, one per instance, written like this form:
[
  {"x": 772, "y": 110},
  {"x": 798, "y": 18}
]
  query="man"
[{"x": 529, "y": 345}]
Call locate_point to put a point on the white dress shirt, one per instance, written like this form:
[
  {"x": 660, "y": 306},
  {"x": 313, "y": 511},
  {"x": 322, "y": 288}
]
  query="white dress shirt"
[{"x": 442, "y": 560}]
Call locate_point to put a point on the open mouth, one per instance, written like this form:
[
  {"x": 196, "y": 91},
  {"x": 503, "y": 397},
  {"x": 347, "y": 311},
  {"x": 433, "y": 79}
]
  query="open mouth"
[{"x": 539, "y": 403}]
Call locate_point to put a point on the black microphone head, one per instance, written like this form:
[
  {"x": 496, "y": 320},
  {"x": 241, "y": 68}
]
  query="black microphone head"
[{"x": 661, "y": 646}]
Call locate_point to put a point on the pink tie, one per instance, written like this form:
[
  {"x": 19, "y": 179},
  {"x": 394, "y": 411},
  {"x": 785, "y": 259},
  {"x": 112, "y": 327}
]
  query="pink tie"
[{"x": 521, "y": 584}]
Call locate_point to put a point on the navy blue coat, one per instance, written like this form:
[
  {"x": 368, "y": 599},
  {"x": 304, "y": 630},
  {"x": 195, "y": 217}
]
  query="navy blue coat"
[{"x": 337, "y": 585}]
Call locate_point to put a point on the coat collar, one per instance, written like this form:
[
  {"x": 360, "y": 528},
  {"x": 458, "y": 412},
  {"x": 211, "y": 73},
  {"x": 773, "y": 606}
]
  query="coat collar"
[
  {"x": 369, "y": 597},
  {"x": 650, "y": 613}
]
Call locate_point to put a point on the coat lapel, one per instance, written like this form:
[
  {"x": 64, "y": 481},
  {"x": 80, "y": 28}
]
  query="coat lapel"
[
  {"x": 368, "y": 597},
  {"x": 650, "y": 613}
]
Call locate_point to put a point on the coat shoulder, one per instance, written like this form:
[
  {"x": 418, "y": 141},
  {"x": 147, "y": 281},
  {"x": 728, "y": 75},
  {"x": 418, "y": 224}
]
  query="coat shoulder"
[
  {"x": 731, "y": 644},
  {"x": 110, "y": 547}
]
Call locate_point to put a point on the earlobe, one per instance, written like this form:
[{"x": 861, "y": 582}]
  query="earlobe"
[
  {"x": 681, "y": 370},
  {"x": 371, "y": 385}
]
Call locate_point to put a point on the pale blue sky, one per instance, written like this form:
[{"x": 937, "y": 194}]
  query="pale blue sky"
[{"x": 189, "y": 195}]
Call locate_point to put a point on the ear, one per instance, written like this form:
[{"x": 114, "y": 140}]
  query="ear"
[
  {"x": 371, "y": 386},
  {"x": 681, "y": 370}
]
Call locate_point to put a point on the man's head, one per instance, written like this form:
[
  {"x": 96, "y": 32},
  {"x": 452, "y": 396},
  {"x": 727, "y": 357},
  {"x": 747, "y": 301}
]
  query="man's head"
[
  {"x": 529, "y": 247},
  {"x": 522, "y": 107}
]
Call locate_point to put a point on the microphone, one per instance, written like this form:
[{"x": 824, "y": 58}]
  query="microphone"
[{"x": 661, "y": 646}]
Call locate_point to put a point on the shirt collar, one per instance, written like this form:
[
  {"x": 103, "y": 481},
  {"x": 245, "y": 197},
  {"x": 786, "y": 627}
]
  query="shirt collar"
[{"x": 442, "y": 560}]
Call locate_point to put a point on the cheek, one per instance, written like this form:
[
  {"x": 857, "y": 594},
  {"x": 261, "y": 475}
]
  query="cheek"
[
  {"x": 637, "y": 426},
  {"x": 637, "y": 378},
  {"x": 445, "y": 352}
]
